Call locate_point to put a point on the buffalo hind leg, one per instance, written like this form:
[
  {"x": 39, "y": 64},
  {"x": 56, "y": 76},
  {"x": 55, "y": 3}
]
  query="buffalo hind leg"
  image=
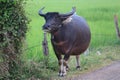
[
  {"x": 67, "y": 67},
  {"x": 78, "y": 62}
]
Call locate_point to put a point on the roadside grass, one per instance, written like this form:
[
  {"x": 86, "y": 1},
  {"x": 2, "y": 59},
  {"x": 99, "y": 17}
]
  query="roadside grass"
[
  {"x": 99, "y": 15},
  {"x": 91, "y": 62},
  {"x": 47, "y": 68}
]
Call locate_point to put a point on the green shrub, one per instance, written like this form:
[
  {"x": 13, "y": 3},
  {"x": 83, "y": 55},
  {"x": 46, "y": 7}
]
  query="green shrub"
[{"x": 13, "y": 27}]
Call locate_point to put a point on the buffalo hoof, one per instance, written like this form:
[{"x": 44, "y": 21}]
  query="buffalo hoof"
[
  {"x": 62, "y": 74},
  {"x": 78, "y": 68},
  {"x": 67, "y": 68}
]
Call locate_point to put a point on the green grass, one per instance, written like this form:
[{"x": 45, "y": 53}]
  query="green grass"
[{"x": 99, "y": 15}]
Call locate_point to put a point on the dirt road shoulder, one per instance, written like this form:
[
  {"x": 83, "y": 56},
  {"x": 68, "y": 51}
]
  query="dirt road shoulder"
[{"x": 110, "y": 72}]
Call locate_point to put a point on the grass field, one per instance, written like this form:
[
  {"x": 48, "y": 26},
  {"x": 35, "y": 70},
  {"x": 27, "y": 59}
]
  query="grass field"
[{"x": 99, "y": 15}]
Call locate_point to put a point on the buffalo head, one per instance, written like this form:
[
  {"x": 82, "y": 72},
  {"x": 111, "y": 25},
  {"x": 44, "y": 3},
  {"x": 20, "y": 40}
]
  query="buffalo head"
[{"x": 54, "y": 20}]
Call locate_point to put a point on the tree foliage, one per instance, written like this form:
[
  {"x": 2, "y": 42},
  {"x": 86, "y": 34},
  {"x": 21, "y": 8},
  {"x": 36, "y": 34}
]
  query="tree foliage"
[{"x": 13, "y": 27}]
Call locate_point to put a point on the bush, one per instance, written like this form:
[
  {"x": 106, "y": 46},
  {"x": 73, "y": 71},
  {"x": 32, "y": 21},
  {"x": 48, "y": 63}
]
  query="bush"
[{"x": 13, "y": 27}]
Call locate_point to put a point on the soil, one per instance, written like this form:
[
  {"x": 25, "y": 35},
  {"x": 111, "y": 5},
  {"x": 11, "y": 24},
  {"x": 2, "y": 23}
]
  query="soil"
[{"x": 110, "y": 72}]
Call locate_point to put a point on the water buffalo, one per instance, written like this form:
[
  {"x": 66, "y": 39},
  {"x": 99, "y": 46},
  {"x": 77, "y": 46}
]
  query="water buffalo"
[{"x": 70, "y": 35}]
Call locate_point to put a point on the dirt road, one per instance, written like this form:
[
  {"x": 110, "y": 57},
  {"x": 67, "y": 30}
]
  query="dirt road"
[{"x": 111, "y": 72}]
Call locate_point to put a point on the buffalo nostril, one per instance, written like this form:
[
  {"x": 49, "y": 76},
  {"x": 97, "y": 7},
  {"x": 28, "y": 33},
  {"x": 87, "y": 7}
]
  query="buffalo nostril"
[{"x": 46, "y": 26}]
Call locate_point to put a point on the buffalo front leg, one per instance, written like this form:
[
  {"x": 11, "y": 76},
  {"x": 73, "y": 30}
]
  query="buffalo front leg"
[
  {"x": 60, "y": 62},
  {"x": 63, "y": 66},
  {"x": 78, "y": 62}
]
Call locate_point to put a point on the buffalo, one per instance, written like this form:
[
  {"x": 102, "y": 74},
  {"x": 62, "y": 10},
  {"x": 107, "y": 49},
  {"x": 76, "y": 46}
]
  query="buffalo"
[{"x": 70, "y": 35}]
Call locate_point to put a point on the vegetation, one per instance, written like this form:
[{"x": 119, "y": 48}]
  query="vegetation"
[{"x": 13, "y": 27}]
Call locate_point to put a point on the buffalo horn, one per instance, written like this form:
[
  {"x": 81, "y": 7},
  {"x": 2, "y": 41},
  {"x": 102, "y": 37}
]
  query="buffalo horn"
[
  {"x": 40, "y": 12},
  {"x": 70, "y": 13}
]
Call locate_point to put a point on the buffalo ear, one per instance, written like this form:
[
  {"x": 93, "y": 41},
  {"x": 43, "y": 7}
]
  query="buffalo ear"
[
  {"x": 63, "y": 18},
  {"x": 66, "y": 19},
  {"x": 67, "y": 15}
]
